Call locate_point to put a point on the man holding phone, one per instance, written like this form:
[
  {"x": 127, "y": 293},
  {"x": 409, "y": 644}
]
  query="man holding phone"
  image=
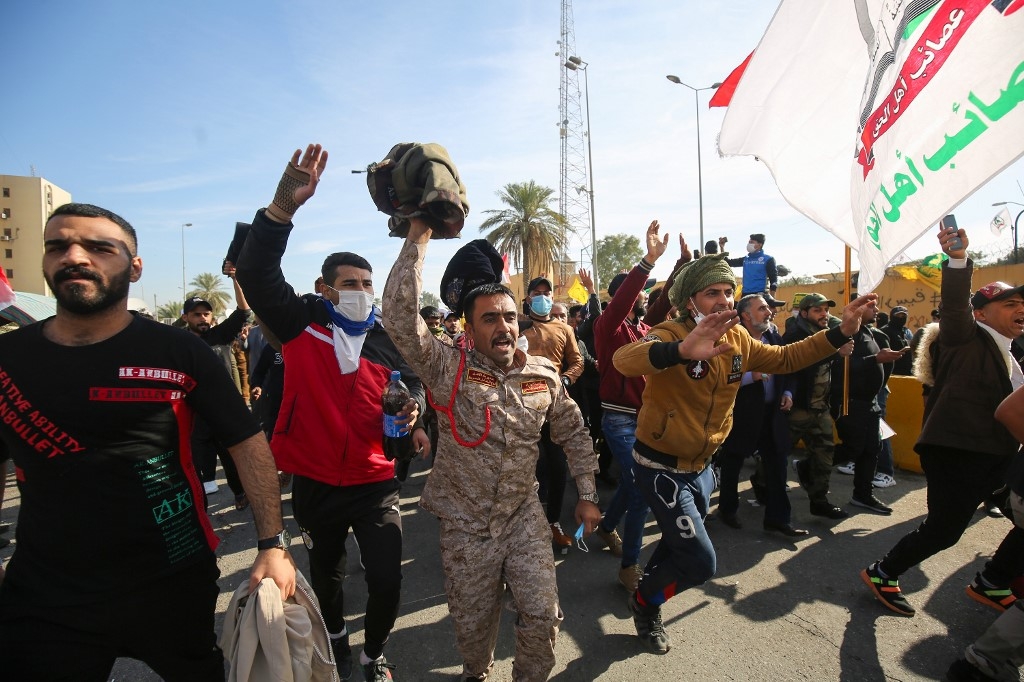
[{"x": 973, "y": 372}]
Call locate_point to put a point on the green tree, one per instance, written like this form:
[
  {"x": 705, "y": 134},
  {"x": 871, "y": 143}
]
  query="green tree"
[
  {"x": 169, "y": 311},
  {"x": 529, "y": 230},
  {"x": 429, "y": 298},
  {"x": 210, "y": 287},
  {"x": 615, "y": 253}
]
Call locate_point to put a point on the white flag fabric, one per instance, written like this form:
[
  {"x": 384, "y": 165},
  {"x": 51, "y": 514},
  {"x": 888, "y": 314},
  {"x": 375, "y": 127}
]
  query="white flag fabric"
[
  {"x": 1000, "y": 222},
  {"x": 877, "y": 117}
]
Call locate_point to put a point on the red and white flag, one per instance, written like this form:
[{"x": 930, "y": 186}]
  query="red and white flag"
[
  {"x": 7, "y": 296},
  {"x": 876, "y": 118}
]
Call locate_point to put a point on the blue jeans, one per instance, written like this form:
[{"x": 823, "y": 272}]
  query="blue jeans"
[
  {"x": 684, "y": 557},
  {"x": 620, "y": 434}
]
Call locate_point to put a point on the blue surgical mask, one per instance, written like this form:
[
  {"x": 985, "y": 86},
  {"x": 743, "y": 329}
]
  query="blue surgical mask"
[{"x": 541, "y": 305}]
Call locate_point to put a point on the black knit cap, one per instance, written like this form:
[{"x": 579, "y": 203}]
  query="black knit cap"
[{"x": 474, "y": 264}]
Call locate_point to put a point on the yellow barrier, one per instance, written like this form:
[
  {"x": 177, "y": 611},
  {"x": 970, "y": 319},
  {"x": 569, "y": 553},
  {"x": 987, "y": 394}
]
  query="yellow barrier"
[{"x": 904, "y": 413}]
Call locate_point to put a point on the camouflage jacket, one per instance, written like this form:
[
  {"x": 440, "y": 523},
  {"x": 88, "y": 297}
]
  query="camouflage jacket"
[{"x": 489, "y": 420}]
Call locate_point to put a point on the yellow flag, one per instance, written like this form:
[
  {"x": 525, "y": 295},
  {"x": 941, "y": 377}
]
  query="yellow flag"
[{"x": 577, "y": 291}]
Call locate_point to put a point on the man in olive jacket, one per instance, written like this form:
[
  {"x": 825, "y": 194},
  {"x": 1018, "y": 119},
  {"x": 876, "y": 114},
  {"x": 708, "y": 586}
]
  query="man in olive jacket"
[
  {"x": 964, "y": 451},
  {"x": 694, "y": 365}
]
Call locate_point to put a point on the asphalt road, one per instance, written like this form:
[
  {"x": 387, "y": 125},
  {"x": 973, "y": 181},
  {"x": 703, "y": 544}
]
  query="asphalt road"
[{"x": 776, "y": 610}]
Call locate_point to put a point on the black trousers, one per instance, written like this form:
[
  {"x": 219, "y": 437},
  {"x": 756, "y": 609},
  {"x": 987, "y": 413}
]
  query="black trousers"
[
  {"x": 552, "y": 474},
  {"x": 860, "y": 444},
  {"x": 958, "y": 481},
  {"x": 325, "y": 514},
  {"x": 167, "y": 623}
]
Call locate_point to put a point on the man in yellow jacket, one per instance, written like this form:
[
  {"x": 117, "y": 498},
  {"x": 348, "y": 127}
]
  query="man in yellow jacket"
[{"x": 693, "y": 365}]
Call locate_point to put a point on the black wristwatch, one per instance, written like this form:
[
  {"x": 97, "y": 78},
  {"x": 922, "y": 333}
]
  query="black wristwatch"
[{"x": 282, "y": 540}]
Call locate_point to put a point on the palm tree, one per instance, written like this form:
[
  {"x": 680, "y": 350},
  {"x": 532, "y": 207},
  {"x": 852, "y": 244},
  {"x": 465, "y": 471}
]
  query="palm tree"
[
  {"x": 210, "y": 287},
  {"x": 169, "y": 311},
  {"x": 528, "y": 230}
]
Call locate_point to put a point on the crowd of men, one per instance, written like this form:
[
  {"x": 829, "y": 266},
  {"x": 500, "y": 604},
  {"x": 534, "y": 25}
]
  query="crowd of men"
[{"x": 673, "y": 390}]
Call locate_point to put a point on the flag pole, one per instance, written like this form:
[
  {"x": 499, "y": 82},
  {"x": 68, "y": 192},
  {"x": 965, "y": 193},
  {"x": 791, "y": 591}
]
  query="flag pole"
[{"x": 846, "y": 360}]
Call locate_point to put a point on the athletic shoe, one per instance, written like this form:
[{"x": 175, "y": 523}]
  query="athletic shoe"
[
  {"x": 611, "y": 540},
  {"x": 342, "y": 656},
  {"x": 872, "y": 503},
  {"x": 963, "y": 671},
  {"x": 649, "y": 627},
  {"x": 828, "y": 510},
  {"x": 999, "y": 598},
  {"x": 378, "y": 671},
  {"x": 560, "y": 540},
  {"x": 847, "y": 468},
  {"x": 883, "y": 481},
  {"x": 629, "y": 577},
  {"x": 886, "y": 591},
  {"x": 210, "y": 487}
]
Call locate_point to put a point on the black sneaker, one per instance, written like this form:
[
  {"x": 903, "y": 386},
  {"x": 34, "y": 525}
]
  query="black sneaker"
[
  {"x": 871, "y": 503},
  {"x": 963, "y": 671},
  {"x": 887, "y": 591},
  {"x": 378, "y": 671},
  {"x": 342, "y": 656},
  {"x": 999, "y": 598},
  {"x": 649, "y": 627},
  {"x": 828, "y": 510}
]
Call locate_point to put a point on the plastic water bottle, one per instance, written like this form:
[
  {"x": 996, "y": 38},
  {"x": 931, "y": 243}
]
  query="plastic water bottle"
[{"x": 397, "y": 446}]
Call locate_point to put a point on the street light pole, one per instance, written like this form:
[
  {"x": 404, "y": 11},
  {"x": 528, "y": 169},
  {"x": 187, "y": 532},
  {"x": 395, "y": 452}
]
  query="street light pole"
[
  {"x": 576, "y": 64},
  {"x": 1016, "y": 222},
  {"x": 183, "y": 289},
  {"x": 700, "y": 183}
]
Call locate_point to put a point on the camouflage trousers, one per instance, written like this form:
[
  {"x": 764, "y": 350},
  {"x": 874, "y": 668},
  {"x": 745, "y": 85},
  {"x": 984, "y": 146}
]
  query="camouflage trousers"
[
  {"x": 477, "y": 570},
  {"x": 814, "y": 427}
]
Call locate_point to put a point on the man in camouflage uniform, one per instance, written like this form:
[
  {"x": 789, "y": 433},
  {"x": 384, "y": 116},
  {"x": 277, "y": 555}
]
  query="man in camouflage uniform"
[{"x": 494, "y": 400}]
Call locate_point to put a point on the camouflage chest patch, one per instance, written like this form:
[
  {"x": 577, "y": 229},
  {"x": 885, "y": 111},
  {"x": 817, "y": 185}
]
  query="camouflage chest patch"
[
  {"x": 535, "y": 386},
  {"x": 483, "y": 378}
]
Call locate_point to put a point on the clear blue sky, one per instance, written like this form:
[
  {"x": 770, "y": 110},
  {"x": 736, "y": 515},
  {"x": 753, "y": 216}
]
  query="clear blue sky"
[{"x": 172, "y": 113}]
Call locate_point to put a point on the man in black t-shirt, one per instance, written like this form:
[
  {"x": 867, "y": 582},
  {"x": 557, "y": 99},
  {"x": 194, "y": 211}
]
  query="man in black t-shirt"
[{"x": 115, "y": 556}]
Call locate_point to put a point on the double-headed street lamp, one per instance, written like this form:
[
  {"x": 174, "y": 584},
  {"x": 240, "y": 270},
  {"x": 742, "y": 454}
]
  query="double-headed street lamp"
[
  {"x": 574, "y": 63},
  {"x": 184, "y": 291},
  {"x": 700, "y": 188},
  {"x": 1013, "y": 227}
]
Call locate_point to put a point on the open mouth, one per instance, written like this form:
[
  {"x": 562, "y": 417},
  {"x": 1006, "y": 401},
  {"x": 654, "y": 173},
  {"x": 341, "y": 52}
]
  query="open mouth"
[{"x": 503, "y": 343}]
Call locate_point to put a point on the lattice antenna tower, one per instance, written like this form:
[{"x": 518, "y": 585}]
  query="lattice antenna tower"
[{"x": 574, "y": 195}]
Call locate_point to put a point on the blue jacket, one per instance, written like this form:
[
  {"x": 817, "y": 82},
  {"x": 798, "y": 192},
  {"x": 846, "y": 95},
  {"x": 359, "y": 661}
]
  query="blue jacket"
[{"x": 758, "y": 270}]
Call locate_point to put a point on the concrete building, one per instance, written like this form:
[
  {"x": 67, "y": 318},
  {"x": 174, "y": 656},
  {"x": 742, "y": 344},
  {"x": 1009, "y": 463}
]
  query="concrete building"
[{"x": 25, "y": 205}]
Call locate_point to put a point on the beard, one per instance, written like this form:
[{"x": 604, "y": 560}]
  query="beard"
[
  {"x": 639, "y": 309},
  {"x": 82, "y": 299}
]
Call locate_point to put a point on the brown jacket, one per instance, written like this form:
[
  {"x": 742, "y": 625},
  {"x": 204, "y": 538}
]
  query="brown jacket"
[
  {"x": 970, "y": 376},
  {"x": 687, "y": 408}
]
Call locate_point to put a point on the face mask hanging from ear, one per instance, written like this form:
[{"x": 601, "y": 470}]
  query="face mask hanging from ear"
[{"x": 696, "y": 314}]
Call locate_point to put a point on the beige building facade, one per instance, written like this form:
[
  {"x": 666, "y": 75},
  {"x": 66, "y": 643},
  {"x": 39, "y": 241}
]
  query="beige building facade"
[{"x": 25, "y": 205}]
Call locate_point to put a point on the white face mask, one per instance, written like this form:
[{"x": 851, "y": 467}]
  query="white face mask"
[
  {"x": 695, "y": 314},
  {"x": 751, "y": 247},
  {"x": 354, "y": 305}
]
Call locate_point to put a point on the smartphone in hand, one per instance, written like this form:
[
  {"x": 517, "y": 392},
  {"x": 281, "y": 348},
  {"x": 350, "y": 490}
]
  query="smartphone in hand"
[{"x": 949, "y": 221}]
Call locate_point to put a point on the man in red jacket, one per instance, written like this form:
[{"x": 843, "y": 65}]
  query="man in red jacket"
[
  {"x": 337, "y": 360},
  {"x": 621, "y": 324}
]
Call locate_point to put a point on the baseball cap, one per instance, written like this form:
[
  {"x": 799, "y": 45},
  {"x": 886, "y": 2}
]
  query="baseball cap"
[
  {"x": 191, "y": 303},
  {"x": 618, "y": 279},
  {"x": 897, "y": 310},
  {"x": 996, "y": 291},
  {"x": 815, "y": 300},
  {"x": 536, "y": 282}
]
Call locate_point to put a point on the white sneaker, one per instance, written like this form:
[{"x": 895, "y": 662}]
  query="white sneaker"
[
  {"x": 883, "y": 481},
  {"x": 210, "y": 487},
  {"x": 846, "y": 468}
]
